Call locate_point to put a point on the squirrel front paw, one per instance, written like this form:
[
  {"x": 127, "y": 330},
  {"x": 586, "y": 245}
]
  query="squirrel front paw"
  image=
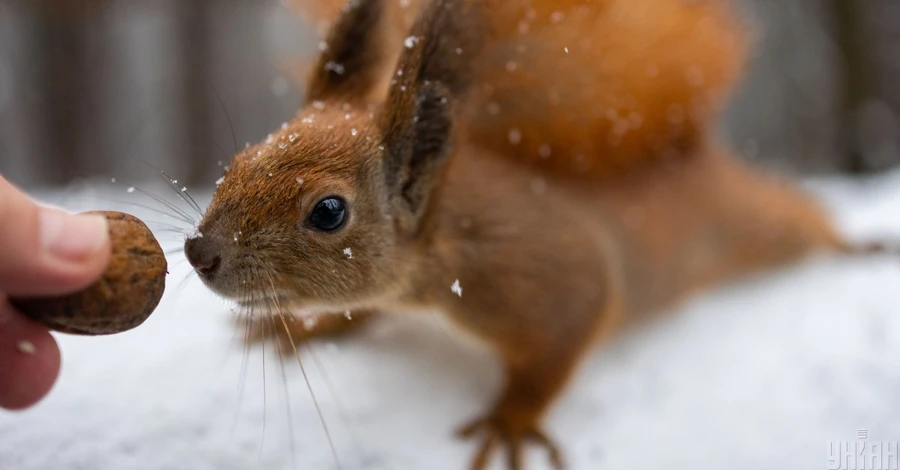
[{"x": 511, "y": 431}]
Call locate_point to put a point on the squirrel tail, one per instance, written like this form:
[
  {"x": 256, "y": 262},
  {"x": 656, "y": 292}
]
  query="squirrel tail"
[
  {"x": 602, "y": 87},
  {"x": 592, "y": 87}
]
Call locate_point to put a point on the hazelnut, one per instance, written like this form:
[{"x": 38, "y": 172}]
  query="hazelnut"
[{"x": 122, "y": 299}]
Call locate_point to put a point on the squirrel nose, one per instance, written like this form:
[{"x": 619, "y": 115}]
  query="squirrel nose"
[{"x": 203, "y": 254}]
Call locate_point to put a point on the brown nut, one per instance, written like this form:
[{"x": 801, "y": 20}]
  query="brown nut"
[{"x": 122, "y": 299}]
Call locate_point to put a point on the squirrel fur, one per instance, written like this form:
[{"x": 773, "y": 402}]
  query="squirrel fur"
[{"x": 556, "y": 158}]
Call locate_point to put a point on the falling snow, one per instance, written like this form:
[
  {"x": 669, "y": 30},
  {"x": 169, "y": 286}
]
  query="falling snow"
[
  {"x": 456, "y": 288},
  {"x": 348, "y": 252},
  {"x": 545, "y": 151},
  {"x": 515, "y": 136},
  {"x": 410, "y": 42},
  {"x": 26, "y": 347},
  {"x": 310, "y": 322},
  {"x": 130, "y": 189},
  {"x": 299, "y": 181},
  {"x": 335, "y": 67}
]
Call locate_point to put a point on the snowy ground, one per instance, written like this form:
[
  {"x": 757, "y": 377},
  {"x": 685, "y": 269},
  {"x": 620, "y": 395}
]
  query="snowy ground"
[{"x": 765, "y": 374}]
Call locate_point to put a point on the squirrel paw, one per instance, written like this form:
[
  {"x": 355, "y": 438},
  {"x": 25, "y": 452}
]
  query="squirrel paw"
[{"x": 502, "y": 430}]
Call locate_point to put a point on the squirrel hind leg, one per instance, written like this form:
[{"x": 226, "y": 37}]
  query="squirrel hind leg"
[{"x": 289, "y": 333}]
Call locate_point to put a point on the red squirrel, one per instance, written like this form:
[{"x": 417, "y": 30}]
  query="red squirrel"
[{"x": 541, "y": 172}]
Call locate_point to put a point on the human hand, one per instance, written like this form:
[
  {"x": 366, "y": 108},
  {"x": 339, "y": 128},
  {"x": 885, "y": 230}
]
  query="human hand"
[{"x": 43, "y": 251}]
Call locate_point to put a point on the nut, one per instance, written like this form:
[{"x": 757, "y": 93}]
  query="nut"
[{"x": 123, "y": 298}]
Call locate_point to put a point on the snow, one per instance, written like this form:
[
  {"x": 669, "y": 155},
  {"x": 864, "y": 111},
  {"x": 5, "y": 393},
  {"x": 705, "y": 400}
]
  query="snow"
[
  {"x": 456, "y": 288},
  {"x": 335, "y": 67},
  {"x": 514, "y": 136},
  {"x": 765, "y": 373},
  {"x": 26, "y": 347}
]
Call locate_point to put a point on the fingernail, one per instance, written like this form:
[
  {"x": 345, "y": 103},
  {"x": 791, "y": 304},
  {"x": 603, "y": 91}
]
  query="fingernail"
[{"x": 72, "y": 237}]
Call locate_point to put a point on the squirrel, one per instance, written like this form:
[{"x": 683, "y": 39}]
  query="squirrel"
[{"x": 544, "y": 173}]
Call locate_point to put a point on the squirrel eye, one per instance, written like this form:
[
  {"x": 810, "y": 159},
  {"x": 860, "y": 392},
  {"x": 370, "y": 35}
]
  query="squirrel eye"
[{"x": 328, "y": 215}]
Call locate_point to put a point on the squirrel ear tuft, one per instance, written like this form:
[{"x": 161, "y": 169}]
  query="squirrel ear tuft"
[
  {"x": 349, "y": 65},
  {"x": 434, "y": 72}
]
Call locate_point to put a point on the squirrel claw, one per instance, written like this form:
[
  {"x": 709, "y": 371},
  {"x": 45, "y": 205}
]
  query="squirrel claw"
[{"x": 500, "y": 431}]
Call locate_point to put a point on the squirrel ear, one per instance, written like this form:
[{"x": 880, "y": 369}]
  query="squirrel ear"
[
  {"x": 434, "y": 72},
  {"x": 417, "y": 143},
  {"x": 349, "y": 64}
]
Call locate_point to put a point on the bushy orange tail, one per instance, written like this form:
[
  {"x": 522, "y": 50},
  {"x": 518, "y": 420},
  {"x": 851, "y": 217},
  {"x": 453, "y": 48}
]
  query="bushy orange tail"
[{"x": 593, "y": 87}]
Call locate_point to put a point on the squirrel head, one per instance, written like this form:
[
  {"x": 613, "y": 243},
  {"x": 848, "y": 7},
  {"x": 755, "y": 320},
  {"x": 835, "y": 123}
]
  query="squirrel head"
[{"x": 322, "y": 213}]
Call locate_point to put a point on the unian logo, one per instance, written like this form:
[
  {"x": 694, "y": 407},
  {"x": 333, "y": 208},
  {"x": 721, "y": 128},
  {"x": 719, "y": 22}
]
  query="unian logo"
[{"x": 863, "y": 454}]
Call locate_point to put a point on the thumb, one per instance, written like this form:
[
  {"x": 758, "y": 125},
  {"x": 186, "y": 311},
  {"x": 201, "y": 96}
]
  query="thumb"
[{"x": 46, "y": 251}]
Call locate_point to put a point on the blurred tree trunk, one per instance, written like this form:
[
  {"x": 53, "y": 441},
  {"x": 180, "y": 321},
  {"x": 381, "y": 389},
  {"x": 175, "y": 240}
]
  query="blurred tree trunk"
[
  {"x": 867, "y": 34},
  {"x": 61, "y": 50},
  {"x": 857, "y": 83},
  {"x": 194, "y": 36}
]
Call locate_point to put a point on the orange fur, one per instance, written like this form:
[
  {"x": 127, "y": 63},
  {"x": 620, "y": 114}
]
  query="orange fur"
[{"x": 594, "y": 87}]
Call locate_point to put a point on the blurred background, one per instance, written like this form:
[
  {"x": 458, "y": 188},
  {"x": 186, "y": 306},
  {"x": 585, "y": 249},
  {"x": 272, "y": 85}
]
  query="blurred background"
[{"x": 89, "y": 85}]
